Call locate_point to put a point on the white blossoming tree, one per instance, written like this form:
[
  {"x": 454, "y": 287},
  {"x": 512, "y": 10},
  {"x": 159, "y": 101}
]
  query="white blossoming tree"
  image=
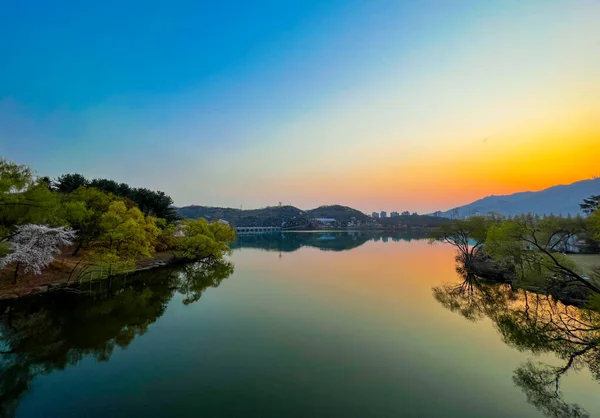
[{"x": 34, "y": 247}]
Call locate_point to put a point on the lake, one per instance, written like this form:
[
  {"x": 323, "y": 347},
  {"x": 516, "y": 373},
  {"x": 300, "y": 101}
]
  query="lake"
[{"x": 299, "y": 325}]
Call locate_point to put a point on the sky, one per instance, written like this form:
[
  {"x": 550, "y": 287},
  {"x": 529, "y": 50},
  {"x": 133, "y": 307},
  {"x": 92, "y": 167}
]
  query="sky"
[{"x": 379, "y": 105}]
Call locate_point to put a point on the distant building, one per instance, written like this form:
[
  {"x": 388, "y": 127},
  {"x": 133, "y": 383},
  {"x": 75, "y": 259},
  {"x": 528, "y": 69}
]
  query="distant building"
[
  {"x": 383, "y": 214},
  {"x": 375, "y": 215},
  {"x": 394, "y": 214},
  {"x": 405, "y": 213}
]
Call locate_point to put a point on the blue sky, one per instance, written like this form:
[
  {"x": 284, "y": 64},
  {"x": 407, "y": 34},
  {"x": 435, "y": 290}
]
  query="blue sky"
[{"x": 306, "y": 102}]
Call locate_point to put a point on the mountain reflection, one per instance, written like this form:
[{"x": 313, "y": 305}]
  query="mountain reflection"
[
  {"x": 325, "y": 241},
  {"x": 46, "y": 333},
  {"x": 536, "y": 324}
]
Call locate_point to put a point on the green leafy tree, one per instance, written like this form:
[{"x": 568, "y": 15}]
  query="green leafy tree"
[
  {"x": 594, "y": 225},
  {"x": 200, "y": 240},
  {"x": 154, "y": 203},
  {"x": 534, "y": 245},
  {"x": 24, "y": 199},
  {"x": 126, "y": 236},
  {"x": 83, "y": 210}
]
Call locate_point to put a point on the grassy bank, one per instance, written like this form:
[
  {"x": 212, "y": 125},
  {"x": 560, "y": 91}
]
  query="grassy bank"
[{"x": 586, "y": 262}]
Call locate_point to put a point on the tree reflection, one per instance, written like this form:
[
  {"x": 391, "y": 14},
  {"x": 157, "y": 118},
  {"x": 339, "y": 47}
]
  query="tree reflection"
[
  {"x": 540, "y": 383},
  {"x": 472, "y": 298},
  {"x": 43, "y": 334},
  {"x": 194, "y": 279},
  {"x": 537, "y": 324}
]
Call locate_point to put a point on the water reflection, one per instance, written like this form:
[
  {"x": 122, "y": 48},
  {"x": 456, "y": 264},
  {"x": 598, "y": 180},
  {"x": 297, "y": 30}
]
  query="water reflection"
[
  {"x": 536, "y": 324},
  {"x": 46, "y": 333},
  {"x": 325, "y": 241},
  {"x": 352, "y": 332}
]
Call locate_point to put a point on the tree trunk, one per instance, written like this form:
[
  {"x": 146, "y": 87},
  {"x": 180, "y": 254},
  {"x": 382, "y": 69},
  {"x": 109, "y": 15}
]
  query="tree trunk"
[
  {"x": 79, "y": 245},
  {"x": 16, "y": 275}
]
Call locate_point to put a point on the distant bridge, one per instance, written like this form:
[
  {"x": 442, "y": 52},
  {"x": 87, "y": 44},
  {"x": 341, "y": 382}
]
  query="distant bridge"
[{"x": 256, "y": 229}]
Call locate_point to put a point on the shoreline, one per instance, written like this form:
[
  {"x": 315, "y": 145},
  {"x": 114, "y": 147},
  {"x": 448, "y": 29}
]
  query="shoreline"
[{"x": 58, "y": 278}]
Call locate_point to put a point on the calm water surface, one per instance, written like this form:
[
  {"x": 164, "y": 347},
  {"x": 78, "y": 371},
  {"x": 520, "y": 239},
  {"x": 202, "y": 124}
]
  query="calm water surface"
[{"x": 306, "y": 325}]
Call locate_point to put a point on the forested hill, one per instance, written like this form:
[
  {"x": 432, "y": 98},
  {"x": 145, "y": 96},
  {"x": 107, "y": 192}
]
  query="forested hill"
[
  {"x": 338, "y": 212},
  {"x": 273, "y": 215},
  {"x": 269, "y": 216},
  {"x": 557, "y": 200},
  {"x": 295, "y": 218}
]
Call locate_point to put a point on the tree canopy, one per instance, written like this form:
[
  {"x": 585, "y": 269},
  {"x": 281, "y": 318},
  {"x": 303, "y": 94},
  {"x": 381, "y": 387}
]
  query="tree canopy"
[
  {"x": 201, "y": 240},
  {"x": 535, "y": 246},
  {"x": 153, "y": 203},
  {"x": 24, "y": 199}
]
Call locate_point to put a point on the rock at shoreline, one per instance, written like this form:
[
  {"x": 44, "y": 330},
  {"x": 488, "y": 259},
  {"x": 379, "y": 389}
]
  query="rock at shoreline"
[{"x": 484, "y": 266}]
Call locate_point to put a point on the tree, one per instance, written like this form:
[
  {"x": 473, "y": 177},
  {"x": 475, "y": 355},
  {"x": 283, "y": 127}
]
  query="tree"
[
  {"x": 204, "y": 241},
  {"x": 534, "y": 246},
  {"x": 35, "y": 247},
  {"x": 590, "y": 204},
  {"x": 14, "y": 178},
  {"x": 83, "y": 210},
  {"x": 467, "y": 235},
  {"x": 68, "y": 183},
  {"x": 126, "y": 236},
  {"x": 24, "y": 199},
  {"x": 594, "y": 225},
  {"x": 154, "y": 203},
  {"x": 198, "y": 240}
]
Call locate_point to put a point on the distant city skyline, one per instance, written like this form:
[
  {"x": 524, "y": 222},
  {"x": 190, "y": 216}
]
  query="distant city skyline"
[{"x": 419, "y": 106}]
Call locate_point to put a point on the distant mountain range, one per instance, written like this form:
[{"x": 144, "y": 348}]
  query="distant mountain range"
[{"x": 557, "y": 200}]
